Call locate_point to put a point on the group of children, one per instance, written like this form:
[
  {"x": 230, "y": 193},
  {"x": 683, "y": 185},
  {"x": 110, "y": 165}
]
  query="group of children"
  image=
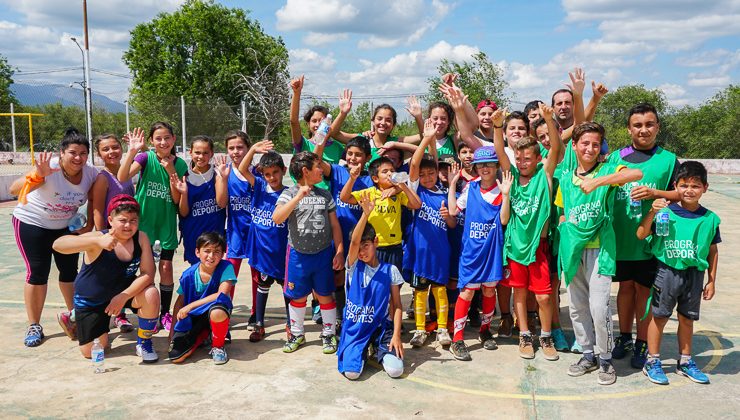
[{"x": 509, "y": 202}]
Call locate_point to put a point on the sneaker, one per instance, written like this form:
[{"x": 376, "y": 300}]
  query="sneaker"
[
  {"x": 582, "y": 366},
  {"x": 559, "y": 340},
  {"x": 294, "y": 341},
  {"x": 146, "y": 351},
  {"x": 219, "y": 355},
  {"x": 639, "y": 354},
  {"x": 547, "y": 345},
  {"x": 460, "y": 351},
  {"x": 692, "y": 372},
  {"x": 607, "y": 374},
  {"x": 181, "y": 348},
  {"x": 123, "y": 324},
  {"x": 316, "y": 315},
  {"x": 505, "y": 326},
  {"x": 258, "y": 334},
  {"x": 474, "y": 318},
  {"x": 622, "y": 346},
  {"x": 34, "y": 335},
  {"x": 654, "y": 372},
  {"x": 418, "y": 339},
  {"x": 486, "y": 338},
  {"x": 68, "y": 326},
  {"x": 166, "y": 321},
  {"x": 252, "y": 322},
  {"x": 443, "y": 337},
  {"x": 329, "y": 343},
  {"x": 576, "y": 348},
  {"x": 526, "y": 346}
]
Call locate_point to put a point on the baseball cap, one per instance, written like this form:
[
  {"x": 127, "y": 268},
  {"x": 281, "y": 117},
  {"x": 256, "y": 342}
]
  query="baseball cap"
[
  {"x": 485, "y": 154},
  {"x": 486, "y": 103},
  {"x": 121, "y": 199},
  {"x": 447, "y": 159}
]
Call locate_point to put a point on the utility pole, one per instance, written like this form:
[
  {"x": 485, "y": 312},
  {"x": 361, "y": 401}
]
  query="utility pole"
[{"x": 88, "y": 90}]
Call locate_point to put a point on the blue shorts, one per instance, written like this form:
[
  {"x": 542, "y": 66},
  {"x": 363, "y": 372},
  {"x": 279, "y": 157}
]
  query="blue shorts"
[{"x": 309, "y": 272}]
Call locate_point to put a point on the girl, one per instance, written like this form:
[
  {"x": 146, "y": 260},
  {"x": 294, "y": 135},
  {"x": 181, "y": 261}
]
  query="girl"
[
  {"x": 48, "y": 197},
  {"x": 441, "y": 115},
  {"x": 157, "y": 198},
  {"x": 199, "y": 209},
  {"x": 107, "y": 186}
]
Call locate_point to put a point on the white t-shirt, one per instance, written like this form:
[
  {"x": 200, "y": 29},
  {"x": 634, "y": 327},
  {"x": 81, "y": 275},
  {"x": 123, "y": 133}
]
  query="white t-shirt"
[
  {"x": 396, "y": 278},
  {"x": 492, "y": 196},
  {"x": 56, "y": 201}
]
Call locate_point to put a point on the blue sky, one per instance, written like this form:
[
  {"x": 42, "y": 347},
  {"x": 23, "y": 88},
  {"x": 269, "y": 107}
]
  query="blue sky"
[{"x": 689, "y": 49}]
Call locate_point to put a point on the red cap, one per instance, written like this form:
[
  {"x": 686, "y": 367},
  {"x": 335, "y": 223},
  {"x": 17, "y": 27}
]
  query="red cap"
[
  {"x": 486, "y": 103},
  {"x": 121, "y": 199}
]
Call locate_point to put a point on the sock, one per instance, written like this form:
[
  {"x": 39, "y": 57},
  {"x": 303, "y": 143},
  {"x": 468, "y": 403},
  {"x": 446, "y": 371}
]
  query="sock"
[
  {"x": 218, "y": 332},
  {"x": 589, "y": 355},
  {"x": 653, "y": 357},
  {"x": 545, "y": 334},
  {"x": 531, "y": 314},
  {"x": 340, "y": 298},
  {"x": 626, "y": 336},
  {"x": 420, "y": 307},
  {"x": 461, "y": 316},
  {"x": 684, "y": 359},
  {"x": 254, "y": 298},
  {"x": 329, "y": 316},
  {"x": 489, "y": 304},
  {"x": 297, "y": 314},
  {"x": 165, "y": 293},
  {"x": 604, "y": 361},
  {"x": 146, "y": 329},
  {"x": 452, "y": 295},
  {"x": 440, "y": 299},
  {"x": 259, "y": 313},
  {"x": 527, "y": 332}
]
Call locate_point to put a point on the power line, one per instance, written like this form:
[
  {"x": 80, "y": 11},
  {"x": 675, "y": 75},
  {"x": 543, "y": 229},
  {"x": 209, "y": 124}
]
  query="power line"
[
  {"x": 59, "y": 70},
  {"x": 112, "y": 73}
]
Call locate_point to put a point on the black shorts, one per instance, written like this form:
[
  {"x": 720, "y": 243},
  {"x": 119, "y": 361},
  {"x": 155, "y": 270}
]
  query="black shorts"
[
  {"x": 167, "y": 255},
  {"x": 94, "y": 322},
  {"x": 422, "y": 283},
  {"x": 392, "y": 254},
  {"x": 264, "y": 280},
  {"x": 680, "y": 289},
  {"x": 641, "y": 272},
  {"x": 35, "y": 246}
]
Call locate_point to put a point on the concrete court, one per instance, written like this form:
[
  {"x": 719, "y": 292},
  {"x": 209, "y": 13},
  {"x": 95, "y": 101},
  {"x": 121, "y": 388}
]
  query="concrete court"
[{"x": 260, "y": 381}]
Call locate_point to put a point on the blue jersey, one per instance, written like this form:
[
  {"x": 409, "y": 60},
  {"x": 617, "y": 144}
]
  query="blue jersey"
[
  {"x": 240, "y": 215},
  {"x": 205, "y": 215},
  {"x": 365, "y": 312},
  {"x": 348, "y": 214},
  {"x": 482, "y": 258},
  {"x": 429, "y": 252},
  {"x": 454, "y": 238},
  {"x": 267, "y": 242},
  {"x": 190, "y": 293}
]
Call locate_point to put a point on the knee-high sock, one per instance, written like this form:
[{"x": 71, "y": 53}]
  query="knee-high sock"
[
  {"x": 420, "y": 307},
  {"x": 340, "y": 298},
  {"x": 461, "y": 317},
  {"x": 297, "y": 313},
  {"x": 165, "y": 293},
  {"x": 489, "y": 305},
  {"x": 146, "y": 329},
  {"x": 329, "y": 316},
  {"x": 262, "y": 294},
  {"x": 440, "y": 298},
  {"x": 218, "y": 331}
]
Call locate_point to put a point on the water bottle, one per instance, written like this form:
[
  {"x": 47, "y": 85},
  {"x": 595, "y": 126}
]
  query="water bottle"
[
  {"x": 320, "y": 136},
  {"x": 662, "y": 224},
  {"x": 399, "y": 177},
  {"x": 157, "y": 250},
  {"x": 635, "y": 209},
  {"x": 573, "y": 218},
  {"x": 76, "y": 222},
  {"x": 97, "y": 354}
]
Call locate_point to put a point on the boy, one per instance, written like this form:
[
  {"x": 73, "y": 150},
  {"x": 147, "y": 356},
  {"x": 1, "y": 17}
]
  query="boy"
[
  {"x": 204, "y": 302},
  {"x": 312, "y": 226},
  {"x": 587, "y": 248},
  {"x": 108, "y": 282},
  {"x": 636, "y": 265},
  {"x": 688, "y": 249},
  {"x": 373, "y": 312},
  {"x": 486, "y": 206},
  {"x": 266, "y": 241},
  {"x": 526, "y": 247}
]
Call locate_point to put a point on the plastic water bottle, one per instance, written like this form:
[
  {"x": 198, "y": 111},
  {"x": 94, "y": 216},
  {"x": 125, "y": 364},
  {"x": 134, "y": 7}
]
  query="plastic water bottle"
[
  {"x": 157, "y": 250},
  {"x": 662, "y": 224},
  {"x": 320, "y": 136},
  {"x": 97, "y": 354},
  {"x": 573, "y": 218},
  {"x": 399, "y": 177},
  {"x": 635, "y": 209},
  {"x": 76, "y": 222}
]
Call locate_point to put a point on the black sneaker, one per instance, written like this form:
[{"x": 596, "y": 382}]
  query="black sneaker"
[
  {"x": 486, "y": 338},
  {"x": 181, "y": 347},
  {"x": 639, "y": 354},
  {"x": 460, "y": 351},
  {"x": 582, "y": 366},
  {"x": 622, "y": 346}
]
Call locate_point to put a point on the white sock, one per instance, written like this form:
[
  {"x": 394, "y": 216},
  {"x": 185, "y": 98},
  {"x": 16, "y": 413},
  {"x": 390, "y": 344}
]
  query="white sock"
[
  {"x": 329, "y": 316},
  {"x": 297, "y": 316}
]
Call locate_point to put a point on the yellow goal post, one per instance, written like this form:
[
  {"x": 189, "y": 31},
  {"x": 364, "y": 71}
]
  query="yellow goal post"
[{"x": 30, "y": 127}]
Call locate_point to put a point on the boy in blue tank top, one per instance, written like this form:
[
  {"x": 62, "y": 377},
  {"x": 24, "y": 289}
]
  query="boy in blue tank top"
[
  {"x": 204, "y": 304},
  {"x": 373, "y": 313}
]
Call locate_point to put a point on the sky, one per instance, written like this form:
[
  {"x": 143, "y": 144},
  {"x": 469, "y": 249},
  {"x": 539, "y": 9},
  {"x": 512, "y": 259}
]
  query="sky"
[{"x": 387, "y": 48}]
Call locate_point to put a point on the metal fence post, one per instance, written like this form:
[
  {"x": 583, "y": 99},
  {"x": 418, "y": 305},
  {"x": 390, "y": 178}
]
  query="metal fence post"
[
  {"x": 12, "y": 126},
  {"x": 128, "y": 123},
  {"x": 244, "y": 115},
  {"x": 182, "y": 111}
]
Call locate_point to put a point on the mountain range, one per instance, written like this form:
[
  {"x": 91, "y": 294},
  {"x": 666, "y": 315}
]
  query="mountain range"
[{"x": 67, "y": 96}]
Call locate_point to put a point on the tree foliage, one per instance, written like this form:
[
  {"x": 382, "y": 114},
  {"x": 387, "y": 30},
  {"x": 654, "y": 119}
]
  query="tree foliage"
[
  {"x": 479, "y": 78},
  {"x": 614, "y": 108},
  {"x": 6, "y": 79}
]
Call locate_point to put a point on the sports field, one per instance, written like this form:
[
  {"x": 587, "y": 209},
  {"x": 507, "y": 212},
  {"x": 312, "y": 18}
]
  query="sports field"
[{"x": 260, "y": 381}]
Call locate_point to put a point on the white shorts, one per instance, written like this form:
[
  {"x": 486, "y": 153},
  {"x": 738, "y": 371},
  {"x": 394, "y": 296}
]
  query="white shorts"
[{"x": 476, "y": 286}]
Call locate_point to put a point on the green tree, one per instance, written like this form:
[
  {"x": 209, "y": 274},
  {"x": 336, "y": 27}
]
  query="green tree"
[
  {"x": 6, "y": 98},
  {"x": 479, "y": 78}
]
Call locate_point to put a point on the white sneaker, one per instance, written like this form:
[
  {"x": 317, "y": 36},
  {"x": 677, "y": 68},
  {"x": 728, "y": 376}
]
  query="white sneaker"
[
  {"x": 443, "y": 337},
  {"x": 419, "y": 338},
  {"x": 148, "y": 355}
]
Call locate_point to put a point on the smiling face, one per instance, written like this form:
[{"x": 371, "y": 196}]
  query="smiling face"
[
  {"x": 441, "y": 121},
  {"x": 515, "y": 130},
  {"x": 587, "y": 148},
  {"x": 484, "y": 118},
  {"x": 201, "y": 154},
  {"x": 125, "y": 223},
  {"x": 73, "y": 158},
  {"x": 110, "y": 151},
  {"x": 209, "y": 255},
  {"x": 315, "y": 120},
  {"x": 543, "y": 136},
  {"x": 354, "y": 156},
  {"x": 163, "y": 140},
  {"x": 236, "y": 149},
  {"x": 428, "y": 178},
  {"x": 690, "y": 190},
  {"x": 643, "y": 129},
  {"x": 527, "y": 160},
  {"x": 487, "y": 172},
  {"x": 383, "y": 122}
]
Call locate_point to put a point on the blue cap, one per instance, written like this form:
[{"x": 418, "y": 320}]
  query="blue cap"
[{"x": 485, "y": 154}]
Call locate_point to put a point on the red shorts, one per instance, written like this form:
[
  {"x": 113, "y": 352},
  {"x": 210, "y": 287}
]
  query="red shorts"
[{"x": 536, "y": 276}]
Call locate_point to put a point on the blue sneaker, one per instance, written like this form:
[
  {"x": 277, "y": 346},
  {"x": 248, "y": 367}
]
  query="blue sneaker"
[
  {"x": 692, "y": 372},
  {"x": 622, "y": 346},
  {"x": 559, "y": 340},
  {"x": 219, "y": 355},
  {"x": 576, "y": 348},
  {"x": 654, "y": 372},
  {"x": 34, "y": 335},
  {"x": 639, "y": 354}
]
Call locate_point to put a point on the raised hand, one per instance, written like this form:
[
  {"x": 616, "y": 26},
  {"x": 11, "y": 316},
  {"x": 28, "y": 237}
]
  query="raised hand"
[
  {"x": 599, "y": 90},
  {"x": 444, "y": 211},
  {"x": 263, "y": 146},
  {"x": 546, "y": 111},
  {"x": 505, "y": 184},
  {"x": 456, "y": 97},
  {"x": 577, "y": 81},
  {"x": 499, "y": 116},
  {"x": 367, "y": 203},
  {"x": 43, "y": 165},
  {"x": 297, "y": 84},
  {"x": 413, "y": 106},
  {"x": 429, "y": 130},
  {"x": 449, "y": 79},
  {"x": 454, "y": 174},
  {"x": 345, "y": 101},
  {"x": 354, "y": 171},
  {"x": 222, "y": 169},
  {"x": 108, "y": 241},
  {"x": 136, "y": 139},
  {"x": 180, "y": 185}
]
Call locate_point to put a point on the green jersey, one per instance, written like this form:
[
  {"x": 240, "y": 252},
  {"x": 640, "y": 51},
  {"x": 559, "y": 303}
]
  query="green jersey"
[
  {"x": 374, "y": 150},
  {"x": 158, "y": 212},
  {"x": 688, "y": 241},
  {"x": 657, "y": 173},
  {"x": 447, "y": 147},
  {"x": 332, "y": 155},
  {"x": 543, "y": 151},
  {"x": 530, "y": 210}
]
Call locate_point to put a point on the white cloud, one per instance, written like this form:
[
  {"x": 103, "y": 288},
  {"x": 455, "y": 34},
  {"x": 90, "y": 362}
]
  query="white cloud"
[
  {"x": 708, "y": 81},
  {"x": 304, "y": 60},
  {"x": 315, "y": 39},
  {"x": 522, "y": 76}
]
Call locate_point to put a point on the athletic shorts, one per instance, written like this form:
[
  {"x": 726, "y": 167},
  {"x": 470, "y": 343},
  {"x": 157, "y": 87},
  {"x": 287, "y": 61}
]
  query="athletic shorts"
[
  {"x": 381, "y": 339},
  {"x": 642, "y": 272},
  {"x": 392, "y": 254},
  {"x": 185, "y": 340},
  {"x": 534, "y": 277},
  {"x": 680, "y": 289},
  {"x": 476, "y": 286},
  {"x": 167, "y": 255},
  {"x": 35, "y": 246},
  {"x": 264, "y": 280},
  {"x": 309, "y": 272},
  {"x": 92, "y": 322}
]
